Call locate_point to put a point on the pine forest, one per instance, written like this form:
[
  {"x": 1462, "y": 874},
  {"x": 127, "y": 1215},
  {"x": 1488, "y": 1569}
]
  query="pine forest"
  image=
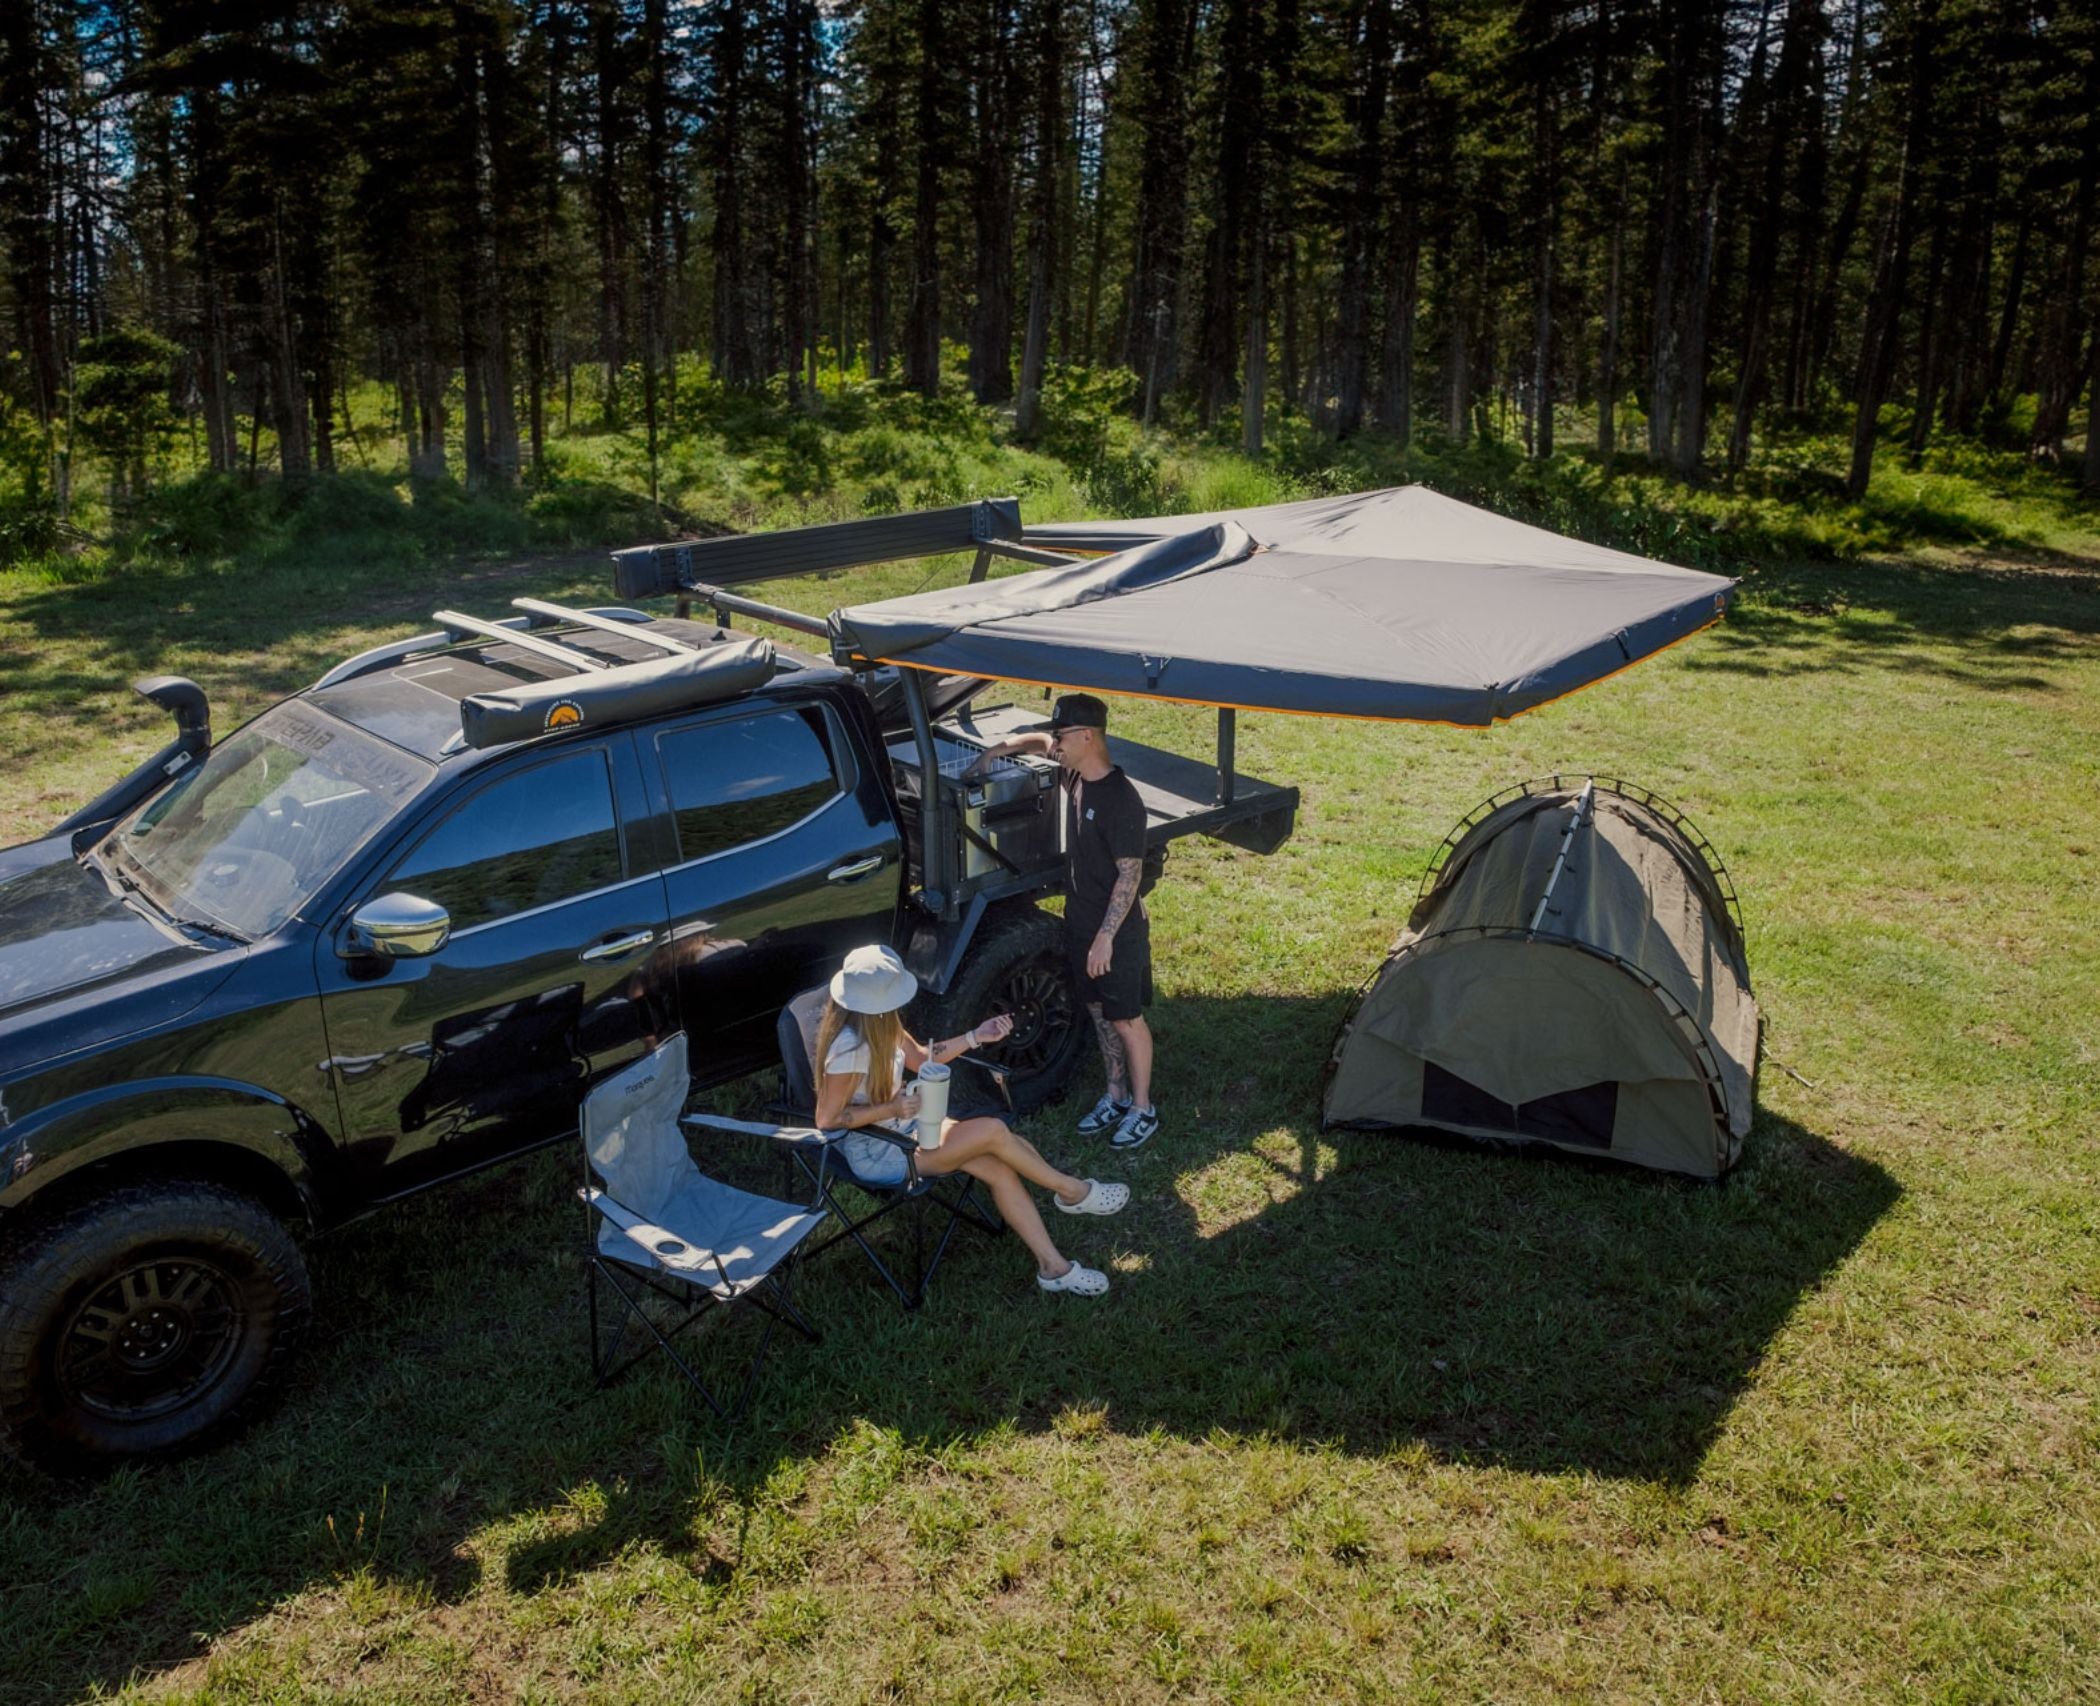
[{"x": 1669, "y": 231}]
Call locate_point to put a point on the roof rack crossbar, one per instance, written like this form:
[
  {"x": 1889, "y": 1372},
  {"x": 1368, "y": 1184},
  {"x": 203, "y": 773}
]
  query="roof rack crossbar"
[
  {"x": 460, "y": 627},
  {"x": 605, "y": 625},
  {"x": 649, "y": 571}
]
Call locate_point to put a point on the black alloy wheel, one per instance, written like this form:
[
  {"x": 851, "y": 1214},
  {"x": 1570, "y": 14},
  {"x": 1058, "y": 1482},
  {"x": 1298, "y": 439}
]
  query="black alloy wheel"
[
  {"x": 154, "y": 1318},
  {"x": 1018, "y": 967},
  {"x": 156, "y": 1337}
]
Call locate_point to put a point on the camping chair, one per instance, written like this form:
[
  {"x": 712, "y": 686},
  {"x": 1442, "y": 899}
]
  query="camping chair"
[
  {"x": 660, "y": 1231},
  {"x": 817, "y": 1160}
]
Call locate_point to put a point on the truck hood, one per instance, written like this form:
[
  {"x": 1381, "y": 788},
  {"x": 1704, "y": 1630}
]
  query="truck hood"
[{"x": 64, "y": 935}]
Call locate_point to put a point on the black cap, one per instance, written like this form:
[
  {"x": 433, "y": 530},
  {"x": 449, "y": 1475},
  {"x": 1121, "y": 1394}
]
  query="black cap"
[{"x": 1074, "y": 711}]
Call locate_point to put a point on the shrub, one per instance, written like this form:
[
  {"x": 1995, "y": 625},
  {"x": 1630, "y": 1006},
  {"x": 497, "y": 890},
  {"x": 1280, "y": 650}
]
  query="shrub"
[
  {"x": 205, "y": 515},
  {"x": 591, "y": 512}
]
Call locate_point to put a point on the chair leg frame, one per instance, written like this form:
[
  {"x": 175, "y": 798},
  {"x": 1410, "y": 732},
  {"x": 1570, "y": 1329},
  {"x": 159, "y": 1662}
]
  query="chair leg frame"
[
  {"x": 960, "y": 1207},
  {"x": 773, "y": 1297}
]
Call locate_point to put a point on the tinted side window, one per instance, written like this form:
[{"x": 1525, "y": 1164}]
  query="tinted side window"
[
  {"x": 526, "y": 841},
  {"x": 737, "y": 782}
]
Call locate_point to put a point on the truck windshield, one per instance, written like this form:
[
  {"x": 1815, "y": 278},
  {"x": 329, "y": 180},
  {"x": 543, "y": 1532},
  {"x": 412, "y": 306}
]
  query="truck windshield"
[{"x": 244, "y": 839}]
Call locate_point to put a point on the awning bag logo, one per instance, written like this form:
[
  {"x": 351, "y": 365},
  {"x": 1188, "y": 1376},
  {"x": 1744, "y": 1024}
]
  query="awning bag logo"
[{"x": 564, "y": 714}]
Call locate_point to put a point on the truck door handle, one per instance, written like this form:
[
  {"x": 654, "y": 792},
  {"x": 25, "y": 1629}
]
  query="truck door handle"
[
  {"x": 858, "y": 868},
  {"x": 619, "y": 947}
]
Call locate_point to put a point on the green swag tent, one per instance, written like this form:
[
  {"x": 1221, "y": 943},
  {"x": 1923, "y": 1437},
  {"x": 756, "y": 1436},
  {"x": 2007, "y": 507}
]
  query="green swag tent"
[{"x": 1572, "y": 975}]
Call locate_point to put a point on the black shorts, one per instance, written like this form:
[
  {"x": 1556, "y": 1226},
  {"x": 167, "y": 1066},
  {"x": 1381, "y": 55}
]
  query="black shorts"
[{"x": 1126, "y": 991}]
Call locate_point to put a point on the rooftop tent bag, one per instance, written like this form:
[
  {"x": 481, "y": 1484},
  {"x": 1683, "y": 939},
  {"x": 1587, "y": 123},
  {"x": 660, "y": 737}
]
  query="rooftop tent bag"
[{"x": 1573, "y": 974}]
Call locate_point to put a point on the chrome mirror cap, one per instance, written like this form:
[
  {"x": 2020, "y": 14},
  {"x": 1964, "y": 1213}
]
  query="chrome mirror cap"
[{"x": 397, "y": 927}]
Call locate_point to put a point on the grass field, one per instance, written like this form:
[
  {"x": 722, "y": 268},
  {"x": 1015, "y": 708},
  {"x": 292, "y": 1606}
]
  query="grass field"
[{"x": 1364, "y": 1418}]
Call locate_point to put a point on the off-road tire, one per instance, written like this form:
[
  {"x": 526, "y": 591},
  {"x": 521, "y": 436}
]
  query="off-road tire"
[
  {"x": 199, "y": 1295},
  {"x": 1018, "y": 966}
]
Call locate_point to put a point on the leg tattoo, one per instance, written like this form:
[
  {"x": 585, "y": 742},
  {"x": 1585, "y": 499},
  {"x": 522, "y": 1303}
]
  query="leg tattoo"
[{"x": 1114, "y": 1062}]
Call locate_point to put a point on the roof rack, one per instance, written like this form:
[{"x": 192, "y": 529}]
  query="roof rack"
[
  {"x": 604, "y": 624},
  {"x": 394, "y": 651},
  {"x": 461, "y": 627}
]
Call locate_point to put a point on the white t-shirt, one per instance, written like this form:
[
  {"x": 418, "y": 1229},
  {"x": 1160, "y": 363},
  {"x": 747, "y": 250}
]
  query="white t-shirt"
[
  {"x": 850, "y": 1053},
  {"x": 871, "y": 1160}
]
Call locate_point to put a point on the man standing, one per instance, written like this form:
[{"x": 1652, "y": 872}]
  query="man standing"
[{"x": 1108, "y": 938}]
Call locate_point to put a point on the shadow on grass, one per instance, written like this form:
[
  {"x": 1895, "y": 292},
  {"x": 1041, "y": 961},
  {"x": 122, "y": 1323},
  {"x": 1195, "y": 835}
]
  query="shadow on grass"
[
  {"x": 1365, "y": 1292},
  {"x": 1971, "y": 624}
]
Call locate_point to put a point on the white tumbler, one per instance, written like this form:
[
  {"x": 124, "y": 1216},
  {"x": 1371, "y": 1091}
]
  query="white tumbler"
[{"x": 933, "y": 1104}]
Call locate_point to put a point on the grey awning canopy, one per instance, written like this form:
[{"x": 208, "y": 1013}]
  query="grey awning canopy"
[{"x": 1399, "y": 604}]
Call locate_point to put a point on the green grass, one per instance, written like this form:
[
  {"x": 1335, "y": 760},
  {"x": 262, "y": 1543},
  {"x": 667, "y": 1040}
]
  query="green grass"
[{"x": 1364, "y": 1418}]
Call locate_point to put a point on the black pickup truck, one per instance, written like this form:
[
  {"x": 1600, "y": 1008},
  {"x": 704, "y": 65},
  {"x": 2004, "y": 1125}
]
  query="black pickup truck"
[{"x": 388, "y": 932}]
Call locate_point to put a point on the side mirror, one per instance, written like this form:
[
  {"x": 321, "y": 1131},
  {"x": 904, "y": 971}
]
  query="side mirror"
[{"x": 397, "y": 927}]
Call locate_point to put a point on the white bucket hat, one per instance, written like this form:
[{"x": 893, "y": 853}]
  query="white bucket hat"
[{"x": 873, "y": 980}]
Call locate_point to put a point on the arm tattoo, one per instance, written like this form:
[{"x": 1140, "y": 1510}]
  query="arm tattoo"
[{"x": 1123, "y": 896}]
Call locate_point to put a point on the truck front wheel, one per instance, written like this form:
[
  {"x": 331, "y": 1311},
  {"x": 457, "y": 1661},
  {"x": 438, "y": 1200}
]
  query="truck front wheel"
[
  {"x": 154, "y": 1318},
  {"x": 1018, "y": 967}
]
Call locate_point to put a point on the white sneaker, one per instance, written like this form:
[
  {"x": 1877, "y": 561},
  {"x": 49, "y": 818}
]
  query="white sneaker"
[
  {"x": 1079, "y": 1281},
  {"x": 1104, "y": 1115},
  {"x": 1136, "y": 1127}
]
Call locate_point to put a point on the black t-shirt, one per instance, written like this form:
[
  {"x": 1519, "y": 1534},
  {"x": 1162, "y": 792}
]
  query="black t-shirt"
[{"x": 1104, "y": 822}]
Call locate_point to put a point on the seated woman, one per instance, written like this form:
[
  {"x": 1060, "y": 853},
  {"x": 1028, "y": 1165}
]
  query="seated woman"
[{"x": 862, "y": 1054}]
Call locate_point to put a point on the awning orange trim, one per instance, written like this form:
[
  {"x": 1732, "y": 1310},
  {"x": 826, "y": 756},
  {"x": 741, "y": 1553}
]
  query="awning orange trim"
[{"x": 1284, "y": 711}]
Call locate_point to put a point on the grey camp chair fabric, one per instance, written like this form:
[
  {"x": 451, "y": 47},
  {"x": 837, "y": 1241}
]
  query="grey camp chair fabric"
[
  {"x": 688, "y": 1239},
  {"x": 879, "y": 1161}
]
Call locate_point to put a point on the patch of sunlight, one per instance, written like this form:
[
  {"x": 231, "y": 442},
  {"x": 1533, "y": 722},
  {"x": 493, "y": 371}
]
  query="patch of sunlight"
[{"x": 1247, "y": 1183}]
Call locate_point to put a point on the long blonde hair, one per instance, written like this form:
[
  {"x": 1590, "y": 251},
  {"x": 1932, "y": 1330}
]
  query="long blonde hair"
[{"x": 882, "y": 1032}]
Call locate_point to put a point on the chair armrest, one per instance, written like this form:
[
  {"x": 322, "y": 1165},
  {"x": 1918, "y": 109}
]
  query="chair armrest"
[{"x": 794, "y": 1136}]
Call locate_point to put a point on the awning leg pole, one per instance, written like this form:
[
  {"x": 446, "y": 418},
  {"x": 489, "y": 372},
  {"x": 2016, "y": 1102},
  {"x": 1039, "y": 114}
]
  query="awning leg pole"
[
  {"x": 933, "y": 802},
  {"x": 1228, "y": 739}
]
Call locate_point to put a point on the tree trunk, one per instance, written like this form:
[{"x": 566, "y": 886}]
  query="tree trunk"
[
  {"x": 1042, "y": 229},
  {"x": 1781, "y": 119},
  {"x": 1166, "y": 55},
  {"x": 2057, "y": 364},
  {"x": 1458, "y": 339},
  {"x": 1360, "y": 216},
  {"x": 922, "y": 335},
  {"x": 2009, "y": 314},
  {"x": 992, "y": 207},
  {"x": 288, "y": 385},
  {"x": 1608, "y": 350},
  {"x": 1545, "y": 128},
  {"x": 26, "y": 229},
  {"x": 1885, "y": 303},
  {"x": 1253, "y": 402},
  {"x": 1220, "y": 332},
  {"x": 2091, "y": 484},
  {"x": 1396, "y": 388}
]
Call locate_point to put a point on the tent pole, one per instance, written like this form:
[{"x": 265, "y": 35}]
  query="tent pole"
[
  {"x": 1581, "y": 816},
  {"x": 1228, "y": 740}
]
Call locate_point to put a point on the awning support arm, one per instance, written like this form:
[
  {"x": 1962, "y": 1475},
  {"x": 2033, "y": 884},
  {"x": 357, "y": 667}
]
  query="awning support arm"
[
  {"x": 934, "y": 844},
  {"x": 1026, "y": 554},
  {"x": 726, "y": 603}
]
